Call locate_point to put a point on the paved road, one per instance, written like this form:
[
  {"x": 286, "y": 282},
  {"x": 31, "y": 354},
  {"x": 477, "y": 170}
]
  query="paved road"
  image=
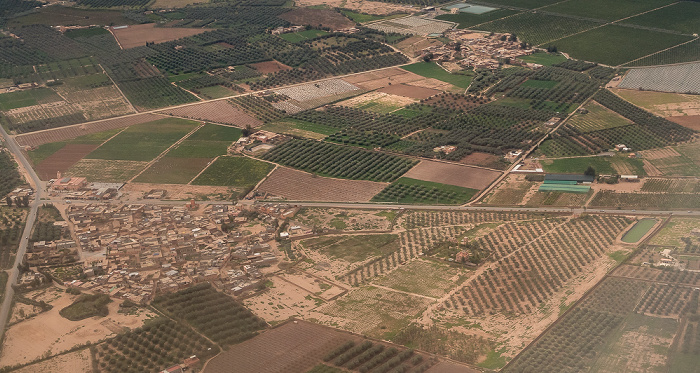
[{"x": 34, "y": 207}]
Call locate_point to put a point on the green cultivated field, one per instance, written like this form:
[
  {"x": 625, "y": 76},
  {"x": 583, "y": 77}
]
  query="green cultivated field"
[
  {"x": 238, "y": 172},
  {"x": 466, "y": 20},
  {"x": 169, "y": 170},
  {"x": 14, "y": 100},
  {"x": 44, "y": 151},
  {"x": 529, "y": 4},
  {"x": 682, "y": 17},
  {"x": 578, "y": 165},
  {"x": 544, "y": 59},
  {"x": 537, "y": 28},
  {"x": 606, "y": 9},
  {"x": 143, "y": 142},
  {"x": 354, "y": 248},
  {"x": 597, "y": 118},
  {"x": 215, "y": 132},
  {"x": 407, "y": 190},
  {"x": 614, "y": 45},
  {"x": 432, "y": 70},
  {"x": 302, "y": 35},
  {"x": 199, "y": 149}
]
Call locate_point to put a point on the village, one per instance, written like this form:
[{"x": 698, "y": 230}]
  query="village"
[{"x": 135, "y": 251}]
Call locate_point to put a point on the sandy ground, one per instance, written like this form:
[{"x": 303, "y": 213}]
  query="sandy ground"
[
  {"x": 382, "y": 97},
  {"x": 370, "y": 7},
  {"x": 138, "y": 35},
  {"x": 388, "y": 77},
  {"x": 50, "y": 333},
  {"x": 410, "y": 91},
  {"x": 175, "y": 191},
  {"x": 296, "y": 185},
  {"x": 281, "y": 302},
  {"x": 74, "y": 362},
  {"x": 452, "y": 174}
]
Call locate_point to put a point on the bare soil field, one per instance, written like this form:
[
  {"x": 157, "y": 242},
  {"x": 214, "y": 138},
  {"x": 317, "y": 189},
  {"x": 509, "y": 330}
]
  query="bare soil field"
[
  {"x": 415, "y": 44},
  {"x": 404, "y": 90},
  {"x": 690, "y": 121},
  {"x": 389, "y": 77},
  {"x": 220, "y": 111},
  {"x": 662, "y": 103},
  {"x": 316, "y": 17},
  {"x": 369, "y": 7},
  {"x": 481, "y": 159},
  {"x": 269, "y": 67},
  {"x": 74, "y": 362},
  {"x": 452, "y": 174},
  {"x": 293, "y": 347},
  {"x": 138, "y": 35},
  {"x": 63, "y": 159},
  {"x": 50, "y": 333},
  {"x": 379, "y": 102},
  {"x": 302, "y": 186},
  {"x": 67, "y": 133},
  {"x": 177, "y": 192},
  {"x": 450, "y": 367}
]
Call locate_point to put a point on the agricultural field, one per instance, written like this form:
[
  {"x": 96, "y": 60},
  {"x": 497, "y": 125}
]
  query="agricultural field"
[
  {"x": 687, "y": 52},
  {"x": 678, "y": 79},
  {"x": 467, "y": 20},
  {"x": 432, "y": 70},
  {"x": 138, "y": 35},
  {"x": 617, "y": 165},
  {"x": 358, "y": 164},
  {"x": 318, "y": 18},
  {"x": 293, "y": 185},
  {"x": 682, "y": 160},
  {"x": 662, "y": 103},
  {"x": 597, "y": 118},
  {"x": 411, "y": 191},
  {"x": 72, "y": 132},
  {"x": 220, "y": 111},
  {"x": 452, "y": 174},
  {"x": 601, "y": 9},
  {"x": 378, "y": 102},
  {"x": 412, "y": 25},
  {"x": 681, "y": 17},
  {"x": 544, "y": 59},
  {"x": 539, "y": 28},
  {"x": 10, "y": 177},
  {"x": 429, "y": 278},
  {"x": 660, "y": 201},
  {"x": 621, "y": 44},
  {"x": 236, "y": 172},
  {"x": 214, "y": 314},
  {"x": 12, "y": 220},
  {"x": 143, "y": 142},
  {"x": 64, "y": 16},
  {"x": 672, "y": 232},
  {"x": 512, "y": 191},
  {"x": 171, "y": 170}
]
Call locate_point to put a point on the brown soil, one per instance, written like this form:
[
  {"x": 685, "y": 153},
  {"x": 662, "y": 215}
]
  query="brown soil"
[
  {"x": 220, "y": 111},
  {"x": 364, "y": 6},
  {"x": 293, "y": 347},
  {"x": 480, "y": 159},
  {"x": 136, "y": 191},
  {"x": 66, "y": 133},
  {"x": 318, "y": 17},
  {"x": 139, "y": 35},
  {"x": 269, "y": 67},
  {"x": 690, "y": 121},
  {"x": 74, "y": 362},
  {"x": 409, "y": 91},
  {"x": 452, "y": 174},
  {"x": 63, "y": 160},
  {"x": 302, "y": 186},
  {"x": 389, "y": 77}
]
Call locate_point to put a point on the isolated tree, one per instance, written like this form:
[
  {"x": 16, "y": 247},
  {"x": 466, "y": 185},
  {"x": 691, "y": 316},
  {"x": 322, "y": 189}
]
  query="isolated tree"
[
  {"x": 427, "y": 57},
  {"x": 247, "y": 131},
  {"x": 8, "y": 199},
  {"x": 590, "y": 171}
]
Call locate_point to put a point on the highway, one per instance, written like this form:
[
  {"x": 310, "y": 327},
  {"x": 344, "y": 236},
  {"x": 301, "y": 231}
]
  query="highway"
[{"x": 6, "y": 306}]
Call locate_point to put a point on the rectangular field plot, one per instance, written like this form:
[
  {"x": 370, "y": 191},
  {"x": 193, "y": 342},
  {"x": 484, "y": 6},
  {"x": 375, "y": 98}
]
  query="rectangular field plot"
[
  {"x": 108, "y": 171},
  {"x": 412, "y": 25},
  {"x": 212, "y": 132},
  {"x": 296, "y": 185},
  {"x": 672, "y": 233},
  {"x": 606, "y": 10},
  {"x": 665, "y": 201},
  {"x": 682, "y": 17},
  {"x": 72, "y": 132},
  {"x": 432, "y": 70},
  {"x": 597, "y": 118},
  {"x": 662, "y": 103},
  {"x": 615, "y": 45},
  {"x": 427, "y": 278},
  {"x": 678, "y": 79},
  {"x": 355, "y": 248},
  {"x": 688, "y": 52},
  {"x": 199, "y": 149},
  {"x": 63, "y": 159},
  {"x": 137, "y": 35},
  {"x": 412, "y": 191},
  {"x": 375, "y": 312},
  {"x": 466, "y": 20},
  {"x": 30, "y": 97},
  {"x": 170, "y": 170},
  {"x": 544, "y": 59},
  {"x": 95, "y": 95},
  {"x": 452, "y": 174},
  {"x": 143, "y": 142},
  {"x": 683, "y": 160},
  {"x": 528, "y": 4},
  {"x": 237, "y": 172},
  {"x": 220, "y": 111},
  {"x": 537, "y": 28}
]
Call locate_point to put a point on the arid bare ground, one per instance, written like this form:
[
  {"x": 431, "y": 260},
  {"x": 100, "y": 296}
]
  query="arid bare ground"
[
  {"x": 74, "y": 362},
  {"x": 452, "y": 174},
  {"x": 370, "y": 7},
  {"x": 175, "y": 191},
  {"x": 138, "y": 35},
  {"x": 49, "y": 333}
]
